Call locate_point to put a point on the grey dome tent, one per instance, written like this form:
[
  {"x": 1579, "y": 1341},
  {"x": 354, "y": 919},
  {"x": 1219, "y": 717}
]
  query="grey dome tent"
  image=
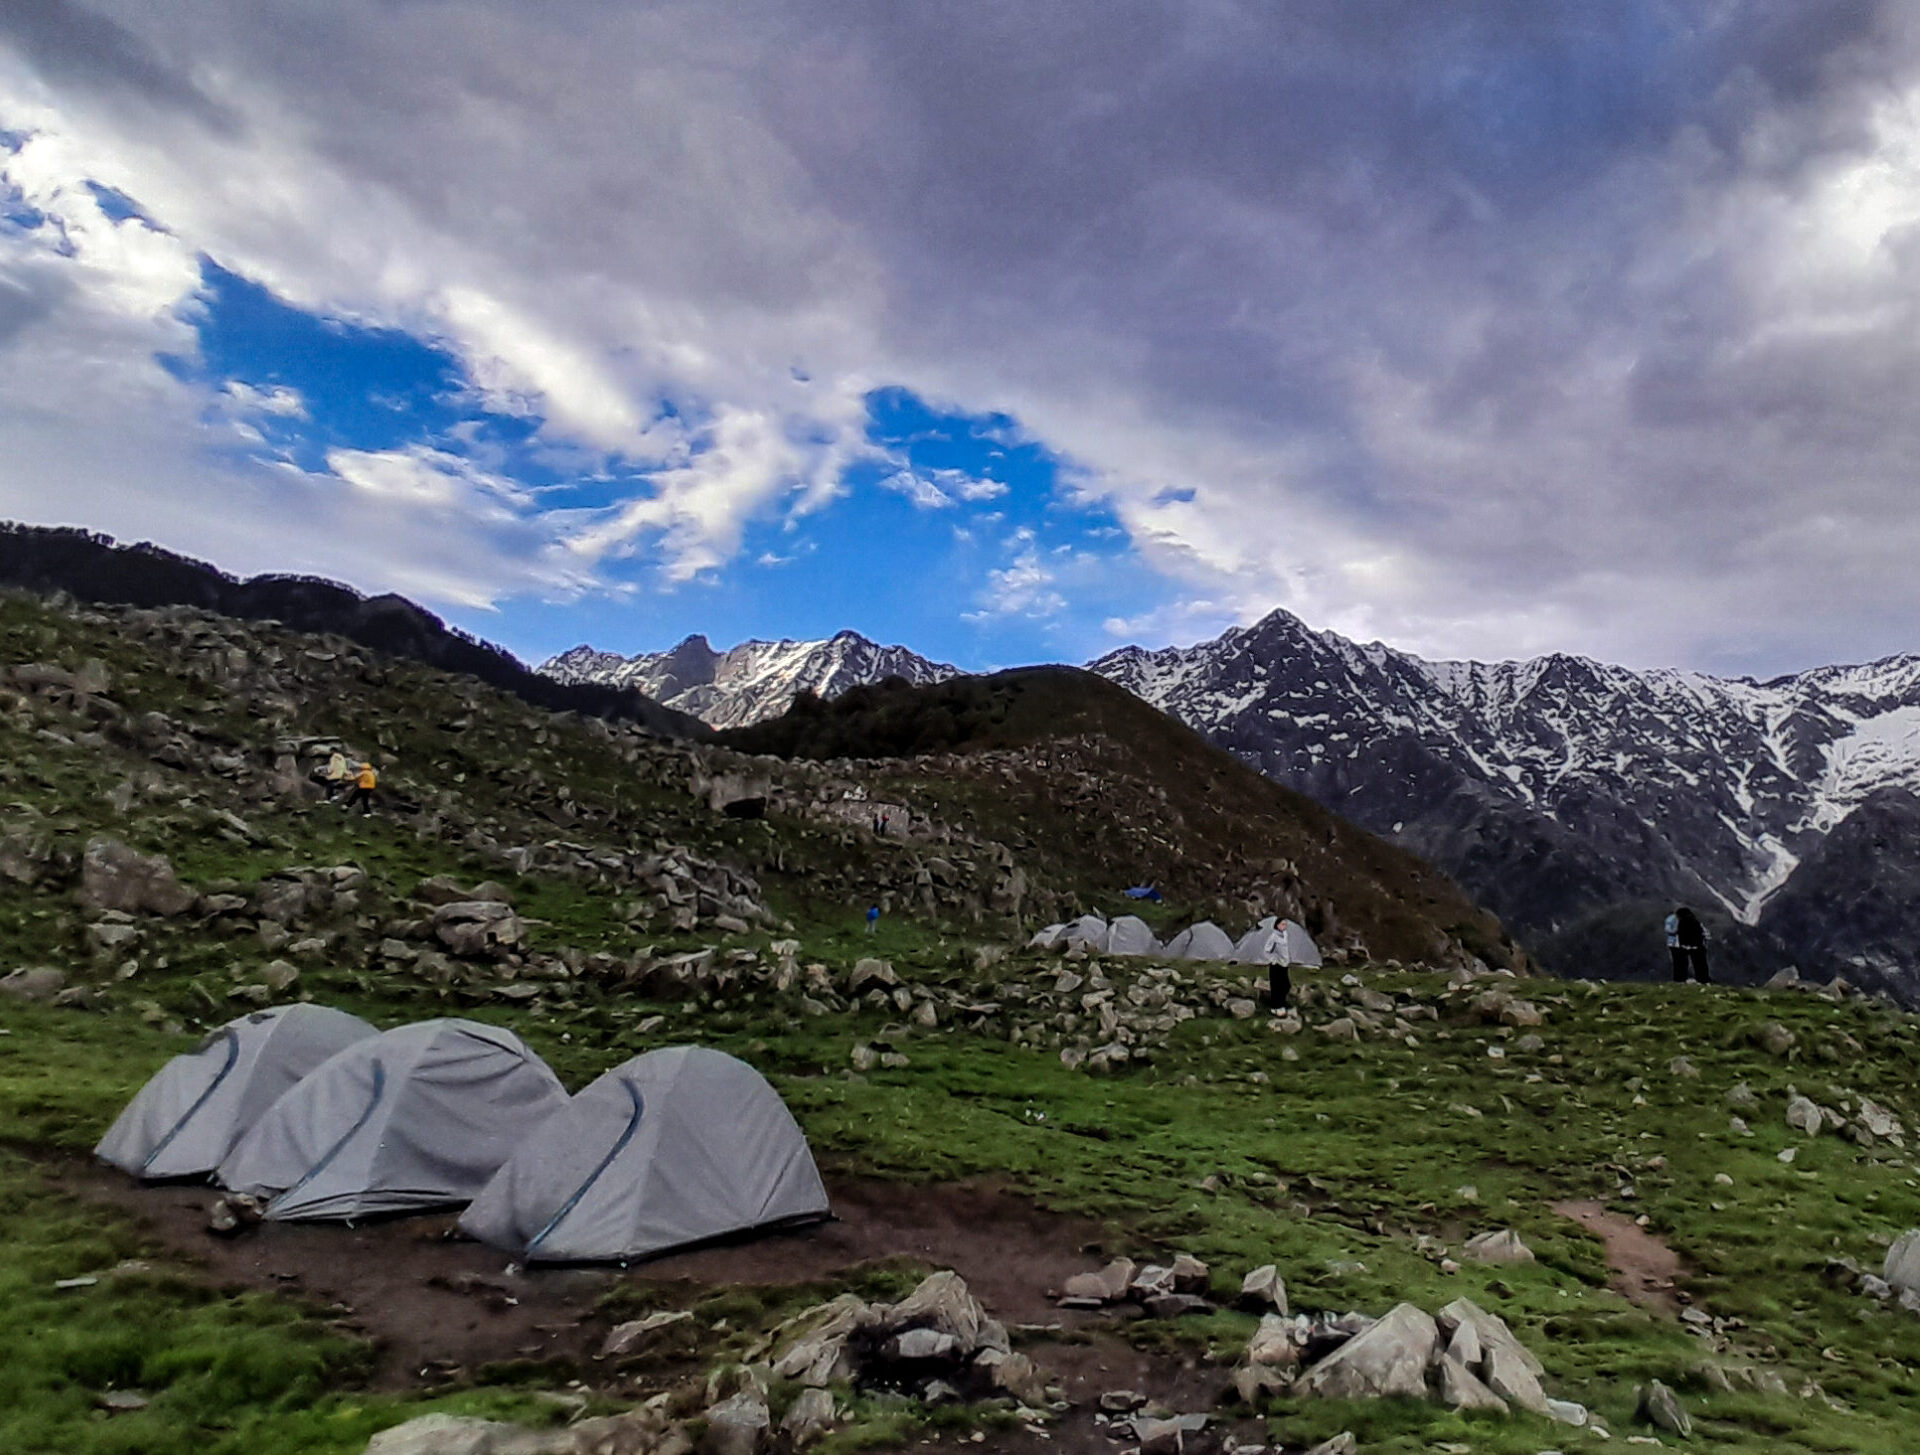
[
  {"x": 1088, "y": 933},
  {"x": 1276, "y": 943},
  {"x": 675, "y": 1147},
  {"x": 1204, "y": 941},
  {"x": 1130, "y": 935},
  {"x": 417, "y": 1117},
  {"x": 190, "y": 1114}
]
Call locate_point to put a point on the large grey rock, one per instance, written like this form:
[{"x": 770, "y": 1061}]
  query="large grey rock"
[
  {"x": 1109, "y": 1285},
  {"x": 1508, "y": 1376},
  {"x": 1491, "y": 1331},
  {"x": 943, "y": 1302},
  {"x": 1902, "y": 1268},
  {"x": 1189, "y": 1274},
  {"x": 809, "y": 1416},
  {"x": 738, "y": 1425},
  {"x": 444, "y": 1434},
  {"x": 1278, "y": 1341},
  {"x": 1263, "y": 1289},
  {"x": 1390, "y": 1358},
  {"x": 33, "y": 982},
  {"x": 871, "y": 973},
  {"x": 1461, "y": 1389},
  {"x": 1660, "y": 1407},
  {"x": 1803, "y": 1116},
  {"x": 113, "y": 876},
  {"x": 478, "y": 926},
  {"x": 1503, "y": 1246}
]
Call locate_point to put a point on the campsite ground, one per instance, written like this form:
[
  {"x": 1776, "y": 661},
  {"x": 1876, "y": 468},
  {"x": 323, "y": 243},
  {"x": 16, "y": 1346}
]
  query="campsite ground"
[
  {"x": 1357, "y": 1165},
  {"x": 1352, "y": 1167}
]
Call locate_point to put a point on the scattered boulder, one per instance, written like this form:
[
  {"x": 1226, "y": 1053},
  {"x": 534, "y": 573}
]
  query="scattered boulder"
[
  {"x": 1263, "y": 1289},
  {"x": 113, "y": 876},
  {"x": 1902, "y": 1267},
  {"x": 1189, "y": 1274},
  {"x": 628, "y": 1338},
  {"x": 1461, "y": 1389},
  {"x": 1804, "y": 1116},
  {"x": 477, "y": 927},
  {"x": 738, "y": 1425},
  {"x": 444, "y": 1434},
  {"x": 1109, "y": 1285},
  {"x": 869, "y": 974},
  {"x": 33, "y": 982},
  {"x": 1776, "y": 1039},
  {"x": 809, "y": 1416},
  {"x": 1391, "y": 1358},
  {"x": 1503, "y": 1246},
  {"x": 1661, "y": 1408}
]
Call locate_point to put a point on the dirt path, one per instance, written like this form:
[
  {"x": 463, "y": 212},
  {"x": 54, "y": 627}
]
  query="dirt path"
[
  {"x": 1644, "y": 1268},
  {"x": 437, "y": 1307}
]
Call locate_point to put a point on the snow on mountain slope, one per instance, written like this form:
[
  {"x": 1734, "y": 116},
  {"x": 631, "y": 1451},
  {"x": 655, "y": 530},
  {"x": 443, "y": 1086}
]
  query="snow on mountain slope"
[
  {"x": 750, "y": 682},
  {"x": 1556, "y": 787}
]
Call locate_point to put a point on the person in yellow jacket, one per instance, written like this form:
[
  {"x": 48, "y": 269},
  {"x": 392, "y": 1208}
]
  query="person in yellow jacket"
[{"x": 364, "y": 782}]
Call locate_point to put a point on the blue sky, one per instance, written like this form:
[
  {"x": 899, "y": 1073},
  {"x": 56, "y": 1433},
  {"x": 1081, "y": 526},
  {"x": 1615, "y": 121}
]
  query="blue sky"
[
  {"x": 1486, "y": 328},
  {"x": 957, "y": 534}
]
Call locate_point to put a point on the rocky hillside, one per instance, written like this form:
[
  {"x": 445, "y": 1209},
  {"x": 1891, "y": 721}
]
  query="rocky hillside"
[
  {"x": 177, "y": 731},
  {"x": 1579, "y": 800},
  {"x": 91, "y": 567},
  {"x": 1085, "y": 1203},
  {"x": 747, "y": 683},
  {"x": 1106, "y": 791}
]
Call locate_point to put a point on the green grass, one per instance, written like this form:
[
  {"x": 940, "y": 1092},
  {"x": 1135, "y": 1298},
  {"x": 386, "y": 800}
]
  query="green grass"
[
  {"x": 1344, "y": 1165},
  {"x": 1347, "y": 1156}
]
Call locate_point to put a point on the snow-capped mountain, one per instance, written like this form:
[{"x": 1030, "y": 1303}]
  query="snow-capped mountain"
[
  {"x": 1574, "y": 798},
  {"x": 750, "y": 682}
]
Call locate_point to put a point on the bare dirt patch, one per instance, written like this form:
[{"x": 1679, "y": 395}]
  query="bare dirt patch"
[
  {"x": 431, "y": 1302},
  {"x": 1644, "y": 1269}
]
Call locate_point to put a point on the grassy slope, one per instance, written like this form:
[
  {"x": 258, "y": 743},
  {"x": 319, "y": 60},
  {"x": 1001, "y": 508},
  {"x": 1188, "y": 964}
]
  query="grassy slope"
[
  {"x": 1344, "y": 1156},
  {"x": 1154, "y": 802}
]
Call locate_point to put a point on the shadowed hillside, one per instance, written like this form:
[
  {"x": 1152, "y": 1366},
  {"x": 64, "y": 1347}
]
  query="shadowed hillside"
[
  {"x": 1114, "y": 792},
  {"x": 92, "y": 567}
]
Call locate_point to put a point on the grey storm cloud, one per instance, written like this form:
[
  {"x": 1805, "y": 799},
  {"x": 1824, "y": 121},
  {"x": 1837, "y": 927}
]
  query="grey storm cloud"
[{"x": 1486, "y": 327}]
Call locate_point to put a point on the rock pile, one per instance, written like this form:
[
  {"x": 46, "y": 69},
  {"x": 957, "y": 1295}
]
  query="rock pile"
[
  {"x": 1463, "y": 1357},
  {"x": 1164, "y": 1291},
  {"x": 937, "y": 1344}
]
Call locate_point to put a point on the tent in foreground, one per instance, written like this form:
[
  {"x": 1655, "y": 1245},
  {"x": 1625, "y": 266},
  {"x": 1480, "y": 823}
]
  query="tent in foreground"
[
  {"x": 417, "y": 1117},
  {"x": 674, "y": 1147},
  {"x": 190, "y": 1114}
]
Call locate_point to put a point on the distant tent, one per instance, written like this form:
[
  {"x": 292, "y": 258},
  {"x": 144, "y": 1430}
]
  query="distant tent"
[
  {"x": 675, "y": 1147},
  {"x": 1143, "y": 891},
  {"x": 1276, "y": 943},
  {"x": 417, "y": 1117},
  {"x": 1207, "y": 941},
  {"x": 190, "y": 1114},
  {"x": 1048, "y": 938},
  {"x": 1176, "y": 948},
  {"x": 1089, "y": 933},
  {"x": 1129, "y": 935}
]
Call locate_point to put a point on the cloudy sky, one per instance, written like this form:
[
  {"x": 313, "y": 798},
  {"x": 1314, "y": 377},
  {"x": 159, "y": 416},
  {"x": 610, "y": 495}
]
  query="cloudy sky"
[{"x": 1008, "y": 331}]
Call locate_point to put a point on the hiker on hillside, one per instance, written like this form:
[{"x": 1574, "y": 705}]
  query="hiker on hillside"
[
  {"x": 873, "y": 918},
  {"x": 364, "y": 782},
  {"x": 335, "y": 777},
  {"x": 1687, "y": 945}
]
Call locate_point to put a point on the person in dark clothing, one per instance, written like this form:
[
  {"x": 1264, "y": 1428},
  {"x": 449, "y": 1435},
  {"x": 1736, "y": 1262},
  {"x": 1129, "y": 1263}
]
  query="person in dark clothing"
[
  {"x": 1687, "y": 945},
  {"x": 1279, "y": 987}
]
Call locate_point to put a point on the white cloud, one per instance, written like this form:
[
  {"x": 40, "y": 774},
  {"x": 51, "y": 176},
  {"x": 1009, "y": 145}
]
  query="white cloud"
[
  {"x": 278, "y": 400},
  {"x": 919, "y": 489},
  {"x": 1024, "y": 587},
  {"x": 1431, "y": 378}
]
